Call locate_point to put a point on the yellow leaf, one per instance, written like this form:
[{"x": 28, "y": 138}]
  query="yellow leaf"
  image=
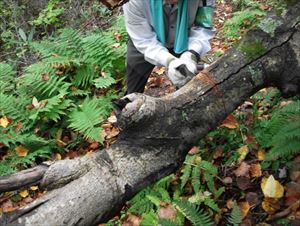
[
  {"x": 271, "y": 187},
  {"x": 35, "y": 102},
  {"x": 243, "y": 151},
  {"x": 34, "y": 188},
  {"x": 57, "y": 156},
  {"x": 4, "y": 122},
  {"x": 21, "y": 151},
  {"x": 245, "y": 207},
  {"x": 24, "y": 193},
  {"x": 261, "y": 154}
]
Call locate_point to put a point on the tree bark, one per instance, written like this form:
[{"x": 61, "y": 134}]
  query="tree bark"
[{"x": 158, "y": 132}]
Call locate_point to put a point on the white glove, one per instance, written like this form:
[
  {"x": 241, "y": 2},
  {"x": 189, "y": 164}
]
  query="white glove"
[
  {"x": 177, "y": 78},
  {"x": 191, "y": 59}
]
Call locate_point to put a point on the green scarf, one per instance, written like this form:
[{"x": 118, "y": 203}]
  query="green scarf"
[{"x": 181, "y": 39}]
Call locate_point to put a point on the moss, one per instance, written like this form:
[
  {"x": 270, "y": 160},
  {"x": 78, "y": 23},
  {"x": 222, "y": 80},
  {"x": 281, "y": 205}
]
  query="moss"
[
  {"x": 269, "y": 25},
  {"x": 256, "y": 75},
  {"x": 252, "y": 50}
]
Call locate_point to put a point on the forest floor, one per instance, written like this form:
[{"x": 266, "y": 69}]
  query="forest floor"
[{"x": 243, "y": 178}]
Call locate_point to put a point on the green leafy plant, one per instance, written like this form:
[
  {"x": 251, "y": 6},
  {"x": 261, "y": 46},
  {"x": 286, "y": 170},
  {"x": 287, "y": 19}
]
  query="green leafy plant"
[
  {"x": 249, "y": 15},
  {"x": 235, "y": 217},
  {"x": 60, "y": 92},
  {"x": 282, "y": 133}
]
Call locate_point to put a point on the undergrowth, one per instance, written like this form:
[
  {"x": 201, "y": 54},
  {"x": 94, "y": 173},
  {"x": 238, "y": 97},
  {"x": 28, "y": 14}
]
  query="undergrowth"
[{"x": 68, "y": 90}]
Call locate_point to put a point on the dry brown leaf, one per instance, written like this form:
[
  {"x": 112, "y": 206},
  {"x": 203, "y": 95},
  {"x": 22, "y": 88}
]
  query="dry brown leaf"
[
  {"x": 194, "y": 150},
  {"x": 270, "y": 205},
  {"x": 230, "y": 203},
  {"x": 272, "y": 188},
  {"x": 167, "y": 212},
  {"x": 255, "y": 170},
  {"x": 243, "y": 183},
  {"x": 132, "y": 220},
  {"x": 21, "y": 151},
  {"x": 218, "y": 152},
  {"x": 253, "y": 199},
  {"x": 230, "y": 122},
  {"x": 242, "y": 170},
  {"x": 24, "y": 193},
  {"x": 244, "y": 207}
]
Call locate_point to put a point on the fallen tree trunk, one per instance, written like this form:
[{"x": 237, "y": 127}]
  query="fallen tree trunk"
[{"x": 158, "y": 132}]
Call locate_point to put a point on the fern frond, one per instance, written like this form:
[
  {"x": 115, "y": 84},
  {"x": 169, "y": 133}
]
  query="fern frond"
[
  {"x": 140, "y": 204},
  {"x": 196, "y": 178},
  {"x": 235, "y": 217},
  {"x": 15, "y": 108},
  {"x": 7, "y": 74},
  {"x": 86, "y": 119},
  {"x": 149, "y": 219},
  {"x": 186, "y": 175},
  {"x": 102, "y": 82},
  {"x": 167, "y": 222},
  {"x": 192, "y": 212}
]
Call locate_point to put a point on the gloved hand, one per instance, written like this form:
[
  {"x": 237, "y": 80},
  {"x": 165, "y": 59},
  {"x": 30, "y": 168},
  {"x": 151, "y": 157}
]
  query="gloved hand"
[
  {"x": 181, "y": 71},
  {"x": 189, "y": 57}
]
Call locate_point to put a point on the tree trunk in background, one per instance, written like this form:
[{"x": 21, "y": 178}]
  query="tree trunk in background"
[{"x": 158, "y": 132}]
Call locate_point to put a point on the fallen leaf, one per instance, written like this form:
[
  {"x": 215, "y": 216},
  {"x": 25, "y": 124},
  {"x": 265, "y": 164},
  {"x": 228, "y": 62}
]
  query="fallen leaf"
[
  {"x": 242, "y": 170},
  {"x": 24, "y": 193},
  {"x": 227, "y": 180},
  {"x": 292, "y": 194},
  {"x": 167, "y": 212},
  {"x": 57, "y": 156},
  {"x": 255, "y": 170},
  {"x": 21, "y": 151},
  {"x": 244, "y": 207},
  {"x": 230, "y": 122},
  {"x": 35, "y": 102},
  {"x": 4, "y": 122},
  {"x": 218, "y": 152},
  {"x": 116, "y": 45},
  {"x": 243, "y": 183},
  {"x": 261, "y": 154},
  {"x": 230, "y": 203},
  {"x": 270, "y": 205},
  {"x": 94, "y": 145},
  {"x": 34, "y": 188},
  {"x": 112, "y": 119},
  {"x": 243, "y": 151},
  {"x": 272, "y": 188},
  {"x": 252, "y": 199},
  {"x": 194, "y": 150},
  {"x": 132, "y": 220}
]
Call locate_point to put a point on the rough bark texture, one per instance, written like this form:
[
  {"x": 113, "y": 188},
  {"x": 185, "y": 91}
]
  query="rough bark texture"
[{"x": 158, "y": 132}]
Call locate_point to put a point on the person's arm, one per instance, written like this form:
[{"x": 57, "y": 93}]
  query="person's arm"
[
  {"x": 142, "y": 34},
  {"x": 200, "y": 34}
]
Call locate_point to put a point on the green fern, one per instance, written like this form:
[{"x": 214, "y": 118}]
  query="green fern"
[
  {"x": 7, "y": 74},
  {"x": 86, "y": 118},
  {"x": 167, "y": 222},
  {"x": 282, "y": 132},
  {"x": 148, "y": 219},
  {"x": 193, "y": 213},
  {"x": 235, "y": 217}
]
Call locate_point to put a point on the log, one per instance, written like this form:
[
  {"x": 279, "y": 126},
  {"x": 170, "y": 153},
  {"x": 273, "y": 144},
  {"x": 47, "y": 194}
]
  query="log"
[{"x": 158, "y": 132}]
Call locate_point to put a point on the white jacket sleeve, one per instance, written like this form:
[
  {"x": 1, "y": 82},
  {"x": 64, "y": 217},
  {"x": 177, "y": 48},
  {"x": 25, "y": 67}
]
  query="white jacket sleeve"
[
  {"x": 199, "y": 37},
  {"x": 142, "y": 34}
]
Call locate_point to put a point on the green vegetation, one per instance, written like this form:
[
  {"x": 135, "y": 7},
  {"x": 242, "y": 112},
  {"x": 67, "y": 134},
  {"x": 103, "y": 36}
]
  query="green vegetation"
[{"x": 59, "y": 93}]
